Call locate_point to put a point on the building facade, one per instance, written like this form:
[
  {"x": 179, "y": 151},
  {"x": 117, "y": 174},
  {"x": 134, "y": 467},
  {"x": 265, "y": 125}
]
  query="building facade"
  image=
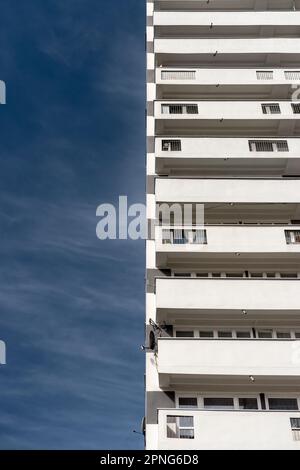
[{"x": 223, "y": 291}]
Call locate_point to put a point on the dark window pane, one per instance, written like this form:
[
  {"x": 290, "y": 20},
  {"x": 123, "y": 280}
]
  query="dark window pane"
[
  {"x": 186, "y": 433},
  {"x": 265, "y": 334},
  {"x": 187, "y": 402},
  {"x": 283, "y": 335},
  {"x": 206, "y": 334},
  {"x": 184, "y": 334},
  {"x": 243, "y": 334},
  {"x": 218, "y": 403},
  {"x": 248, "y": 404},
  {"x": 186, "y": 421},
  {"x": 225, "y": 334},
  {"x": 283, "y": 404},
  {"x": 295, "y": 423}
]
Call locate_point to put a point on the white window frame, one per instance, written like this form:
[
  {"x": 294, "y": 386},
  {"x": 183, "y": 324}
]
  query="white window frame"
[{"x": 282, "y": 395}]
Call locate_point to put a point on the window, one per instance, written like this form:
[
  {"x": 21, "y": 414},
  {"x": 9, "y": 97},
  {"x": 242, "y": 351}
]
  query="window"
[
  {"x": 296, "y": 108},
  {"x": 283, "y": 334},
  {"x": 233, "y": 275},
  {"x": 178, "y": 74},
  {"x": 248, "y": 404},
  {"x": 216, "y": 274},
  {"x": 256, "y": 274},
  {"x": 218, "y": 403},
  {"x": 271, "y": 275},
  {"x": 180, "y": 427},
  {"x": 271, "y": 108},
  {"x": 295, "y": 425},
  {"x": 206, "y": 334},
  {"x": 292, "y": 75},
  {"x": 265, "y": 334},
  {"x": 184, "y": 334},
  {"x": 292, "y": 236},
  {"x": 224, "y": 334},
  {"x": 289, "y": 275},
  {"x": 182, "y": 237},
  {"x": 283, "y": 403},
  {"x": 268, "y": 146},
  {"x": 264, "y": 74},
  {"x": 182, "y": 274},
  {"x": 243, "y": 334},
  {"x": 297, "y": 334},
  {"x": 187, "y": 402},
  {"x": 171, "y": 145},
  {"x": 202, "y": 274},
  {"x": 179, "y": 108}
]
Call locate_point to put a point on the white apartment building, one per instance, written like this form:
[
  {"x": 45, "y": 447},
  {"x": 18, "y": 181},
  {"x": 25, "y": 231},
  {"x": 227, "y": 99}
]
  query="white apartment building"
[{"x": 223, "y": 297}]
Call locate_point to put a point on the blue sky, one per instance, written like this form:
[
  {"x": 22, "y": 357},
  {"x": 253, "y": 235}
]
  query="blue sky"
[{"x": 71, "y": 306}]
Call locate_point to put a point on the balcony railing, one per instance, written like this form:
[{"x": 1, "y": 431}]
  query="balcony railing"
[
  {"x": 184, "y": 236},
  {"x": 268, "y": 146},
  {"x": 178, "y": 74}
]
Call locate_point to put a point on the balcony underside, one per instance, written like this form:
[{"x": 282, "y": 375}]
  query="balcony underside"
[
  {"x": 215, "y": 91},
  {"x": 227, "y": 213},
  {"x": 256, "y": 166},
  {"x": 222, "y": 261},
  {"x": 223, "y": 381},
  {"x": 227, "y": 31},
  {"x": 228, "y": 59},
  {"x": 186, "y": 317},
  {"x": 231, "y": 5},
  {"x": 228, "y": 127}
]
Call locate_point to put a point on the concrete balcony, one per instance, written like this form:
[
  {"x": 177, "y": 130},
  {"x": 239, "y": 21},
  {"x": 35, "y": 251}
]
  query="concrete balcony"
[
  {"x": 218, "y": 117},
  {"x": 230, "y": 5},
  {"x": 194, "y": 299},
  {"x": 252, "y": 156},
  {"x": 226, "y": 76},
  {"x": 230, "y": 191},
  {"x": 230, "y": 361},
  {"x": 227, "y": 46},
  {"x": 227, "y": 245},
  {"x": 176, "y": 110},
  {"x": 222, "y": 18},
  {"x": 232, "y": 430},
  {"x": 234, "y": 200}
]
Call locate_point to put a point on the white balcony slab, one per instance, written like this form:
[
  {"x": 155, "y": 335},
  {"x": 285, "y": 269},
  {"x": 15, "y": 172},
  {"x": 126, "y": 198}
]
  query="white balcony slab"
[
  {"x": 182, "y": 190},
  {"x": 232, "y": 430},
  {"x": 230, "y": 359}
]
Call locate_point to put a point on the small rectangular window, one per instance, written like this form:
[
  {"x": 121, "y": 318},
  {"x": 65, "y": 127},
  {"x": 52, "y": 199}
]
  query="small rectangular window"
[
  {"x": 292, "y": 237},
  {"x": 206, "y": 334},
  {"x": 184, "y": 334},
  {"x": 182, "y": 274},
  {"x": 248, "y": 404},
  {"x": 292, "y": 74},
  {"x": 264, "y": 74},
  {"x": 243, "y": 334},
  {"x": 235, "y": 275},
  {"x": 283, "y": 404},
  {"x": 218, "y": 403},
  {"x": 187, "y": 402},
  {"x": 297, "y": 334},
  {"x": 265, "y": 334},
  {"x": 283, "y": 334},
  {"x": 296, "y": 108},
  {"x": 171, "y": 145},
  {"x": 289, "y": 275},
  {"x": 180, "y": 427},
  {"x": 271, "y": 108},
  {"x": 295, "y": 425},
  {"x": 271, "y": 275},
  {"x": 202, "y": 274},
  {"x": 256, "y": 275},
  {"x": 268, "y": 146},
  {"x": 224, "y": 334}
]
